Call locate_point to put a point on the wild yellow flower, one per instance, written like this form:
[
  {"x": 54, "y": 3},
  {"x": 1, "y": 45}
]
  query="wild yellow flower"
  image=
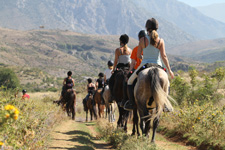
[
  {"x": 198, "y": 118},
  {"x": 196, "y": 100},
  {"x": 219, "y": 120},
  {"x": 15, "y": 117},
  {"x": 193, "y": 126},
  {"x": 7, "y": 116},
  {"x": 16, "y": 111},
  {"x": 9, "y": 107},
  {"x": 213, "y": 114},
  {"x": 1, "y": 143}
]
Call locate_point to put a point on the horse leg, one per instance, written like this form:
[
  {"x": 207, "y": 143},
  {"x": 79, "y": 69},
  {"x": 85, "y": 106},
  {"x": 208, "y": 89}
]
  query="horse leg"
[
  {"x": 73, "y": 111},
  {"x": 142, "y": 126},
  {"x": 91, "y": 113},
  {"x": 86, "y": 115},
  {"x": 155, "y": 125},
  {"x": 67, "y": 109},
  {"x": 94, "y": 112},
  {"x": 147, "y": 127},
  {"x": 99, "y": 111},
  {"x": 119, "y": 124}
]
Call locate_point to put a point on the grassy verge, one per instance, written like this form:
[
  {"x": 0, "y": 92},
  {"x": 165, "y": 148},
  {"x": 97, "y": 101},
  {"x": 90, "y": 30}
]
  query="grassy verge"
[
  {"x": 121, "y": 140},
  {"x": 202, "y": 126},
  {"x": 26, "y": 124}
]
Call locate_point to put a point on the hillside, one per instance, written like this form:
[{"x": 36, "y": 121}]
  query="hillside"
[
  {"x": 57, "y": 51},
  {"x": 215, "y": 11},
  {"x": 205, "y": 51},
  {"x": 179, "y": 23}
]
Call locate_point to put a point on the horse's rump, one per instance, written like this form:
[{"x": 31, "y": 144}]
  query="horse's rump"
[{"x": 152, "y": 83}]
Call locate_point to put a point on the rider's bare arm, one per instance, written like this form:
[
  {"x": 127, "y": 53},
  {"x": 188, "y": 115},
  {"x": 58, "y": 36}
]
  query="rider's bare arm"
[
  {"x": 133, "y": 63},
  {"x": 140, "y": 48},
  {"x": 116, "y": 58},
  {"x": 164, "y": 57}
]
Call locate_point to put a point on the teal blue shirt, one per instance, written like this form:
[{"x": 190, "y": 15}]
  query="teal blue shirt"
[{"x": 151, "y": 54}]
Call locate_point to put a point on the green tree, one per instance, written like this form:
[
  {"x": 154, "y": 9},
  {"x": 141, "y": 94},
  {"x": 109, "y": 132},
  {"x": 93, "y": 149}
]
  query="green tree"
[
  {"x": 193, "y": 74},
  {"x": 8, "y": 78},
  {"x": 219, "y": 75}
]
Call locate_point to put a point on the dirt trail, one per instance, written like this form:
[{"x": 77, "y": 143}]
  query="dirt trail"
[{"x": 76, "y": 135}]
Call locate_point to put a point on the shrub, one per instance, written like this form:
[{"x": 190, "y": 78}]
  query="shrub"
[{"x": 8, "y": 78}]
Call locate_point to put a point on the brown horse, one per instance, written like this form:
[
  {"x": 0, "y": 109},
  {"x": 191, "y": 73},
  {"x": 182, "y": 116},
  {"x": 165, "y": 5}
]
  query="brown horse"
[
  {"x": 152, "y": 83},
  {"x": 117, "y": 84},
  {"x": 98, "y": 102},
  {"x": 110, "y": 107},
  {"x": 90, "y": 107},
  {"x": 69, "y": 99}
]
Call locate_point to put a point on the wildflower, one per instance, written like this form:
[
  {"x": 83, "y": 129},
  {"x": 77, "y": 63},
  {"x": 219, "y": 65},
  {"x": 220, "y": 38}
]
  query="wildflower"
[
  {"x": 15, "y": 117},
  {"x": 7, "y": 116},
  {"x": 198, "y": 118},
  {"x": 1, "y": 143},
  {"x": 193, "y": 126},
  {"x": 16, "y": 111},
  {"x": 219, "y": 120},
  {"x": 213, "y": 114},
  {"x": 9, "y": 107},
  {"x": 196, "y": 100}
]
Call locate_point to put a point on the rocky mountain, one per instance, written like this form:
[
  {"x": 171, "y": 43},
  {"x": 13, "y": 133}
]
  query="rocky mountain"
[
  {"x": 215, "y": 11},
  {"x": 179, "y": 23}
]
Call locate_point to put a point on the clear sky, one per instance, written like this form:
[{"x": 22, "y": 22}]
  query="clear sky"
[{"x": 195, "y": 3}]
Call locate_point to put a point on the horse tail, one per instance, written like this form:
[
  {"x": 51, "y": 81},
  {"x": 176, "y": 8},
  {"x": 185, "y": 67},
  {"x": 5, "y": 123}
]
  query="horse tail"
[{"x": 160, "y": 96}]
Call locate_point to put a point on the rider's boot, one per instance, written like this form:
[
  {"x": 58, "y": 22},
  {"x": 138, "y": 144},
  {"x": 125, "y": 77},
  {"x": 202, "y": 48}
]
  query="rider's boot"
[{"x": 129, "y": 105}]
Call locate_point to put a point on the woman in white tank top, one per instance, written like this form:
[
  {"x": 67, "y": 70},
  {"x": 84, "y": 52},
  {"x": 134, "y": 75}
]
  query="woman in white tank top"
[{"x": 122, "y": 54}]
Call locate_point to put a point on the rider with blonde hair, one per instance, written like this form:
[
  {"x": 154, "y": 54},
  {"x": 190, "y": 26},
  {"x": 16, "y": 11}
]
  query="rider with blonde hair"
[{"x": 153, "y": 49}]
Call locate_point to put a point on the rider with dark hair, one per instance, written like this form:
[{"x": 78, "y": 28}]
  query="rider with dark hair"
[
  {"x": 68, "y": 83},
  {"x": 122, "y": 54},
  {"x": 100, "y": 81},
  {"x": 135, "y": 61},
  {"x": 108, "y": 72},
  {"x": 91, "y": 90},
  {"x": 25, "y": 95},
  {"x": 152, "y": 48},
  {"x": 122, "y": 60}
]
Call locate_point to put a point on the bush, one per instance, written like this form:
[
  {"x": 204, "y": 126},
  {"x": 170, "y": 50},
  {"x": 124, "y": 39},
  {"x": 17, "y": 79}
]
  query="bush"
[{"x": 8, "y": 78}]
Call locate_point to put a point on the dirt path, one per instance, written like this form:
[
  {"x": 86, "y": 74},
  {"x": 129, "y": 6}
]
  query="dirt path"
[{"x": 76, "y": 135}]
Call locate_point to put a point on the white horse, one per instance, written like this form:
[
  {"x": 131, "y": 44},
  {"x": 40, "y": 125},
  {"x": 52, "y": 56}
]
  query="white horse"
[{"x": 110, "y": 107}]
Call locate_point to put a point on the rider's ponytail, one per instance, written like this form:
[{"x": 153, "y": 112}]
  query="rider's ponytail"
[
  {"x": 154, "y": 36},
  {"x": 125, "y": 47}
]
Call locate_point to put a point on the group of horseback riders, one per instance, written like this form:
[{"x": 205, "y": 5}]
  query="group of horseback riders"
[{"x": 148, "y": 53}]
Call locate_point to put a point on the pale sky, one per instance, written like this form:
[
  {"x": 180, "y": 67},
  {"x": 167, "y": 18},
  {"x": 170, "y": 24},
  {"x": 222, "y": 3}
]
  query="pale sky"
[{"x": 195, "y": 3}]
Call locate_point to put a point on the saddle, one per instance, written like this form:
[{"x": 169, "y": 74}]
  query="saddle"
[{"x": 148, "y": 65}]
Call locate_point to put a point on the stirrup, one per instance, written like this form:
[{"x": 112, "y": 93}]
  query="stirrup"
[{"x": 128, "y": 106}]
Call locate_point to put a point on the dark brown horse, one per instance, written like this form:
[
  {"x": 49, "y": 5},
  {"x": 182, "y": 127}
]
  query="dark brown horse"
[
  {"x": 117, "y": 84},
  {"x": 97, "y": 99},
  {"x": 152, "y": 83},
  {"x": 90, "y": 107},
  {"x": 69, "y": 99}
]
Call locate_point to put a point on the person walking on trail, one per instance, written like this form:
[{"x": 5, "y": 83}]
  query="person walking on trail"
[
  {"x": 152, "y": 48},
  {"x": 68, "y": 83},
  {"x": 25, "y": 95},
  {"x": 135, "y": 61},
  {"x": 108, "y": 72},
  {"x": 90, "y": 90}
]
